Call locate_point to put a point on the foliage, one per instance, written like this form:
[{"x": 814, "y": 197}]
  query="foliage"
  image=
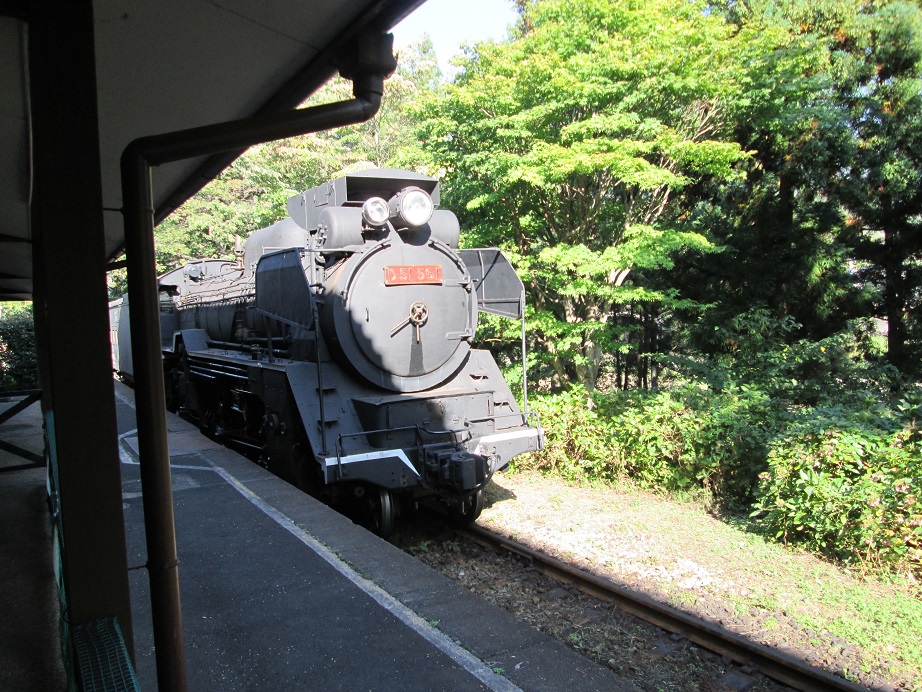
[
  {"x": 568, "y": 146},
  {"x": 846, "y": 483},
  {"x": 825, "y": 224},
  {"x": 756, "y": 349},
  {"x": 843, "y": 481},
  {"x": 805, "y": 434},
  {"x": 18, "y": 360},
  {"x": 878, "y": 83},
  {"x": 780, "y": 227},
  {"x": 680, "y": 439}
]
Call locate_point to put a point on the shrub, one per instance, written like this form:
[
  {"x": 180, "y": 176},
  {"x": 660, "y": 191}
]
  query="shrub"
[
  {"x": 802, "y": 432},
  {"x": 677, "y": 439},
  {"x": 578, "y": 442},
  {"x": 846, "y": 483},
  {"x": 17, "y": 349}
]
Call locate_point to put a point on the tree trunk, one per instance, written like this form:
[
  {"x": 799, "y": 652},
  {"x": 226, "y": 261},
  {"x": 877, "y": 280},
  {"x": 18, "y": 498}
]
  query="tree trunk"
[
  {"x": 894, "y": 302},
  {"x": 588, "y": 374},
  {"x": 654, "y": 348}
]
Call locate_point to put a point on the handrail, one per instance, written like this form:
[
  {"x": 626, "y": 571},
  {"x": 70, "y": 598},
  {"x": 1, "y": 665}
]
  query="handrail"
[{"x": 30, "y": 397}]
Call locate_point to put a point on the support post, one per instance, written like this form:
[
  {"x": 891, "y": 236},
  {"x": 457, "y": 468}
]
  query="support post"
[{"x": 72, "y": 308}]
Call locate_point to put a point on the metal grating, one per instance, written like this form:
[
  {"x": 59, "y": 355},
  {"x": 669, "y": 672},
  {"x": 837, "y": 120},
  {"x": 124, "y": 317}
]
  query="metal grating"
[{"x": 102, "y": 658}]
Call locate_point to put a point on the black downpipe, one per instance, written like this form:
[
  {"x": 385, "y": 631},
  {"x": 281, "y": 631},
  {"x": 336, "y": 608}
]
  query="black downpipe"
[{"x": 371, "y": 61}]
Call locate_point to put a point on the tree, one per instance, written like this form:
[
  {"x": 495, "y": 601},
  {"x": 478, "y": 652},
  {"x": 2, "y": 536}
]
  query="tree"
[
  {"x": 825, "y": 226},
  {"x": 569, "y": 144},
  {"x": 879, "y": 63},
  {"x": 780, "y": 223},
  {"x": 18, "y": 359}
]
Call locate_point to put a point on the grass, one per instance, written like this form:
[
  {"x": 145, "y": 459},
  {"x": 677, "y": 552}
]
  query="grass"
[
  {"x": 881, "y": 619},
  {"x": 890, "y": 622}
]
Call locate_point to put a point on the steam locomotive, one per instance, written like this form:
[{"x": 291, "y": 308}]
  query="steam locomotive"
[{"x": 337, "y": 350}]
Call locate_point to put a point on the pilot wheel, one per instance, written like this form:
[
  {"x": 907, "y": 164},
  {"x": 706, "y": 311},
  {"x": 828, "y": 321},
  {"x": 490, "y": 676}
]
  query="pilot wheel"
[
  {"x": 467, "y": 512},
  {"x": 376, "y": 509}
]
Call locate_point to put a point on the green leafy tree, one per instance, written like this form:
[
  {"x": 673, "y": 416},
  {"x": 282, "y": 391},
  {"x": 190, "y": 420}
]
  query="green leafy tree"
[
  {"x": 18, "y": 359},
  {"x": 780, "y": 224},
  {"x": 569, "y": 144}
]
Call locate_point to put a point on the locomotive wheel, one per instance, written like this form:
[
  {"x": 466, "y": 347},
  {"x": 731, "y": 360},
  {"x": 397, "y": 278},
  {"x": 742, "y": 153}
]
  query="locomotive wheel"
[
  {"x": 377, "y": 510},
  {"x": 468, "y": 511},
  {"x": 210, "y": 421},
  {"x": 173, "y": 369},
  {"x": 305, "y": 471}
]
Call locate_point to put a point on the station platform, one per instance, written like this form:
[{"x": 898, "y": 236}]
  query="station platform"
[
  {"x": 279, "y": 592},
  {"x": 30, "y": 649}
]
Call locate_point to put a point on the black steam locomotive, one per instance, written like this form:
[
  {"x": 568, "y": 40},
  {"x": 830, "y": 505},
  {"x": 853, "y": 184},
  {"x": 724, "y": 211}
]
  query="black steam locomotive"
[{"x": 337, "y": 349}]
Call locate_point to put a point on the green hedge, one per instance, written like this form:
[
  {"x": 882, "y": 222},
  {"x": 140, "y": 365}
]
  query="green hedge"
[
  {"x": 17, "y": 349},
  {"x": 675, "y": 439}
]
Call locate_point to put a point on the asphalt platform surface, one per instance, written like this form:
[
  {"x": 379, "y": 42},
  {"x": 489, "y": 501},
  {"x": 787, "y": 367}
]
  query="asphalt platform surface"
[
  {"x": 30, "y": 648},
  {"x": 279, "y": 592}
]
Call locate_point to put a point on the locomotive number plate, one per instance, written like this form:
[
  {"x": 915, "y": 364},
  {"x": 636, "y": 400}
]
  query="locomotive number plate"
[{"x": 408, "y": 274}]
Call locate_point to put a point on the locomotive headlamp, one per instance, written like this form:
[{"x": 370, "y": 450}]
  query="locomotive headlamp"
[
  {"x": 413, "y": 206},
  {"x": 375, "y": 211}
]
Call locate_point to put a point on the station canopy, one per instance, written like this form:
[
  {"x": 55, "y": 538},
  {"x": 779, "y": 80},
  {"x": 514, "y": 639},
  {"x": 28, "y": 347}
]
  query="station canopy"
[{"x": 167, "y": 66}]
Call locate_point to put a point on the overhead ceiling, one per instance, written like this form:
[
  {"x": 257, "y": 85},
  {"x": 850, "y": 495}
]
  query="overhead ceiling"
[{"x": 166, "y": 66}]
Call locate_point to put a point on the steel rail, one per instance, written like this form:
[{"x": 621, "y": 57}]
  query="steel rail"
[{"x": 777, "y": 665}]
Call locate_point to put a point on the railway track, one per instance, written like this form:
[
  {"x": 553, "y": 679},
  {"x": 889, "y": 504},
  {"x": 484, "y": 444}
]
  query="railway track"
[{"x": 777, "y": 665}]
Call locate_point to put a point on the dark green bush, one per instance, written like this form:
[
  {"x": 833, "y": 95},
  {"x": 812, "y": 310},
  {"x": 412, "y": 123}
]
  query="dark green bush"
[
  {"x": 675, "y": 439},
  {"x": 578, "y": 442},
  {"x": 17, "y": 349},
  {"x": 846, "y": 483}
]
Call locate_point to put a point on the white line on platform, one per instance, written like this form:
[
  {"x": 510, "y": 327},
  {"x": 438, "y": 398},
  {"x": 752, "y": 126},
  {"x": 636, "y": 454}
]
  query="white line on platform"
[
  {"x": 126, "y": 458},
  {"x": 124, "y": 399}
]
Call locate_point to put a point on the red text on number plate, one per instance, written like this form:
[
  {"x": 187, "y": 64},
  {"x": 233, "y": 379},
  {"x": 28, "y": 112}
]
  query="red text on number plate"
[{"x": 403, "y": 275}]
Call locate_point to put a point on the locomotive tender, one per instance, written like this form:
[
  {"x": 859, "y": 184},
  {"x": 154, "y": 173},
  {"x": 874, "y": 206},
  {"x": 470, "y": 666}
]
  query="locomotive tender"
[{"x": 337, "y": 349}]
